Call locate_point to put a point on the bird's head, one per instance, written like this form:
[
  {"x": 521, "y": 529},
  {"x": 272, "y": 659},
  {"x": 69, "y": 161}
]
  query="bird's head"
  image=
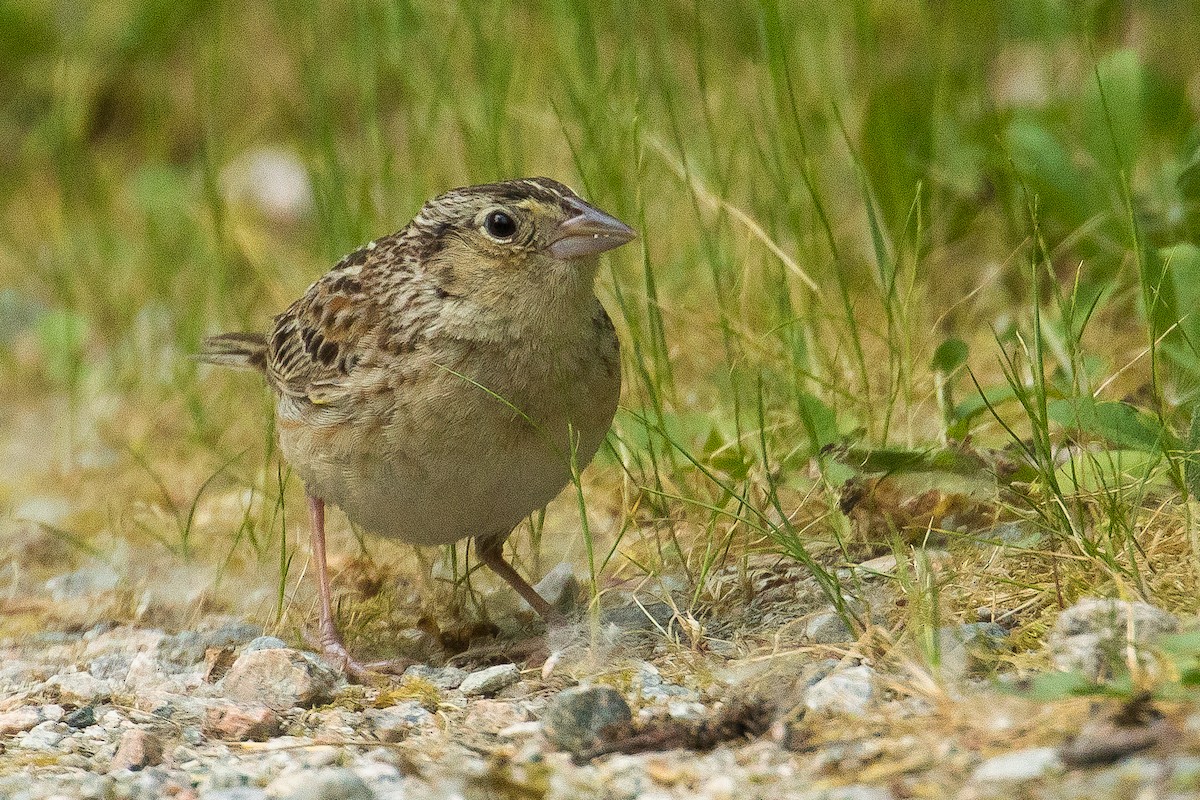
[{"x": 527, "y": 242}]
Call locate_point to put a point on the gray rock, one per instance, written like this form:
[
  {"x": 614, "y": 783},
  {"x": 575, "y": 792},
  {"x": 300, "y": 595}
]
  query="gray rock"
[
  {"x": 232, "y": 634},
  {"x": 971, "y": 647},
  {"x": 827, "y": 627},
  {"x": 394, "y": 723},
  {"x": 320, "y": 784},
  {"x": 1093, "y": 636},
  {"x": 579, "y": 718},
  {"x": 80, "y": 717},
  {"x": 265, "y": 643},
  {"x": 490, "y": 680},
  {"x": 280, "y": 679},
  {"x": 651, "y": 687},
  {"x": 441, "y": 677},
  {"x": 1021, "y": 765},
  {"x": 847, "y": 691},
  {"x": 235, "y": 793}
]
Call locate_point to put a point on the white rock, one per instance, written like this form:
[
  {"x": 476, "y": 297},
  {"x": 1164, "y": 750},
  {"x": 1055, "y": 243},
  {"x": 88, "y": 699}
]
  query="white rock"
[
  {"x": 490, "y": 680},
  {"x": 1093, "y": 636},
  {"x": 847, "y": 691},
  {"x": 1021, "y": 765}
]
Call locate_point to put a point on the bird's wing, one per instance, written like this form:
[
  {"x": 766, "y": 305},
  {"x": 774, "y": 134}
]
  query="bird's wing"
[{"x": 317, "y": 343}]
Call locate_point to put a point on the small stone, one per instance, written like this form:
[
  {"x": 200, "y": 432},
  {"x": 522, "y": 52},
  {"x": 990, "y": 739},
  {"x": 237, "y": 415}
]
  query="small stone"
[
  {"x": 492, "y": 716},
  {"x": 580, "y": 718},
  {"x": 322, "y": 784},
  {"x": 240, "y": 723},
  {"x": 236, "y": 793},
  {"x": 79, "y": 688},
  {"x": 1094, "y": 635},
  {"x": 265, "y": 643},
  {"x": 826, "y": 627},
  {"x": 82, "y": 717},
  {"x": 398, "y": 722},
  {"x": 490, "y": 680},
  {"x": 847, "y": 691},
  {"x": 441, "y": 677},
  {"x": 280, "y": 679},
  {"x": 882, "y": 566},
  {"x": 44, "y": 736},
  {"x": 20, "y": 719},
  {"x": 1021, "y": 765},
  {"x": 138, "y": 749},
  {"x": 145, "y": 672}
]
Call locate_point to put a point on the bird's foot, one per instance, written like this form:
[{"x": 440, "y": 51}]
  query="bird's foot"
[{"x": 335, "y": 653}]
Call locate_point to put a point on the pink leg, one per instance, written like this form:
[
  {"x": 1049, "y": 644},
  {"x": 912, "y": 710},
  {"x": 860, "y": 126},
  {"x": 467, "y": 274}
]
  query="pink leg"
[
  {"x": 491, "y": 552},
  {"x": 330, "y": 640}
]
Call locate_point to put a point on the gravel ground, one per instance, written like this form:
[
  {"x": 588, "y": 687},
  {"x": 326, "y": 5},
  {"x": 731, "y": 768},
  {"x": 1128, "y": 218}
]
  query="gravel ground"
[{"x": 776, "y": 701}]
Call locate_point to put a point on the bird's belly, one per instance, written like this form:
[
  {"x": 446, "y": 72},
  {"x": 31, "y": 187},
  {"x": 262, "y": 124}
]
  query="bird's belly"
[{"x": 447, "y": 473}]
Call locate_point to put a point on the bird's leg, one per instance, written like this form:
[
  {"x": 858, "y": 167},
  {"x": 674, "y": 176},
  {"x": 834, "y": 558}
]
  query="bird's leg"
[
  {"x": 491, "y": 552},
  {"x": 330, "y": 639}
]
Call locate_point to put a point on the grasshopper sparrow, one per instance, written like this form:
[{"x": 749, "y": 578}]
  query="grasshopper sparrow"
[{"x": 437, "y": 383}]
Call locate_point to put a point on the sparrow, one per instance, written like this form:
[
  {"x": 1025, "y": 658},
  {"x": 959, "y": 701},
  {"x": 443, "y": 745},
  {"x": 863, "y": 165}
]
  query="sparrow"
[{"x": 443, "y": 382}]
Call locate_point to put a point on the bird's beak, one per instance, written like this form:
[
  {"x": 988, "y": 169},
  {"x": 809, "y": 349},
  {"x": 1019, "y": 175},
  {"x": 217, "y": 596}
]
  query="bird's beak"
[{"x": 589, "y": 232}]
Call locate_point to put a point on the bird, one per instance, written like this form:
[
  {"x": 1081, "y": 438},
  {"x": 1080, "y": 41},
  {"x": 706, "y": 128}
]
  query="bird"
[{"x": 446, "y": 381}]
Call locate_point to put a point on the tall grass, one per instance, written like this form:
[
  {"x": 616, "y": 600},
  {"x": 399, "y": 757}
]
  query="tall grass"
[{"x": 826, "y": 194}]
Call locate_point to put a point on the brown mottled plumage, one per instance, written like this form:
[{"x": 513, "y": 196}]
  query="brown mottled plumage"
[{"x": 434, "y": 383}]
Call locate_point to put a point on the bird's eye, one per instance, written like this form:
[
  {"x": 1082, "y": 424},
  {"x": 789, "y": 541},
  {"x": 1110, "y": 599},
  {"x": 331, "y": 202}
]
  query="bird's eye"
[{"x": 499, "y": 225}]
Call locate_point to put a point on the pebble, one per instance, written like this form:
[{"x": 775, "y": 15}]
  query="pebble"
[
  {"x": 265, "y": 643},
  {"x": 236, "y": 793},
  {"x": 491, "y": 680},
  {"x": 138, "y": 749},
  {"x": 20, "y": 719},
  {"x": 280, "y": 679},
  {"x": 240, "y": 723},
  {"x": 1020, "y": 765},
  {"x": 398, "y": 722},
  {"x": 79, "y": 688},
  {"x": 44, "y": 736},
  {"x": 441, "y": 677},
  {"x": 846, "y": 691},
  {"x": 492, "y": 716},
  {"x": 82, "y": 717},
  {"x": 826, "y": 627},
  {"x": 335, "y": 783},
  {"x": 577, "y": 719},
  {"x": 1092, "y": 636}
]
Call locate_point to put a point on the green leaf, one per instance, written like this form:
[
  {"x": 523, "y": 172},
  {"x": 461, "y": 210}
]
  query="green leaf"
[
  {"x": 1119, "y": 424},
  {"x": 950, "y": 355},
  {"x": 1113, "y": 121},
  {"x": 819, "y": 420},
  {"x": 1061, "y": 685}
]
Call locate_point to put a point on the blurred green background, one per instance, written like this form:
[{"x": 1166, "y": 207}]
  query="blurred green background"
[{"x": 841, "y": 206}]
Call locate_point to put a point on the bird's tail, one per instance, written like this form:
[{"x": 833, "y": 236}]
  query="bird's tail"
[{"x": 238, "y": 350}]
